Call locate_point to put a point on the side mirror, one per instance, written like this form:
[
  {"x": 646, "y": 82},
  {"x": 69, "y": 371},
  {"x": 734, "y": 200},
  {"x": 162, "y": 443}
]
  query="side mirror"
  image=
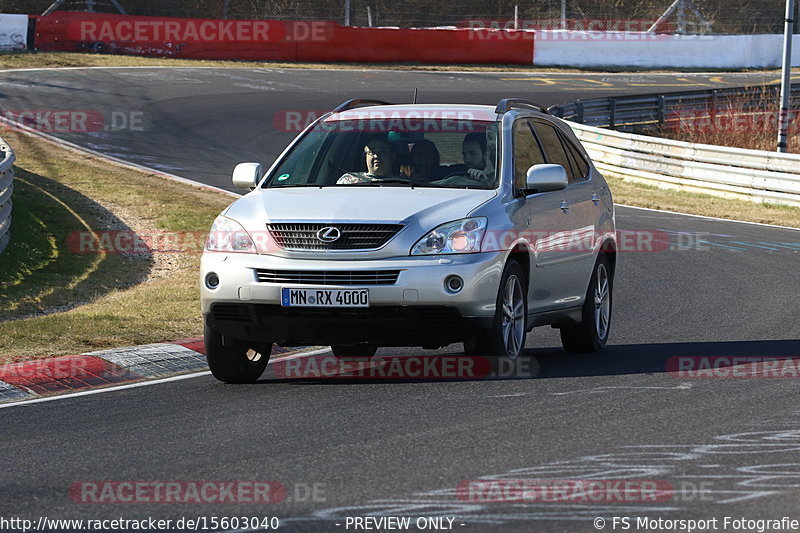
[
  {"x": 247, "y": 175},
  {"x": 546, "y": 178}
]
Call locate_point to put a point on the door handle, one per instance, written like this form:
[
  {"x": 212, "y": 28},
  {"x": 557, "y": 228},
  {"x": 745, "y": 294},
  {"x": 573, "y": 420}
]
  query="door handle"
[
  {"x": 564, "y": 206},
  {"x": 595, "y": 198}
]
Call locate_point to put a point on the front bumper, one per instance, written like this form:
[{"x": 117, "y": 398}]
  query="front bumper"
[{"x": 416, "y": 310}]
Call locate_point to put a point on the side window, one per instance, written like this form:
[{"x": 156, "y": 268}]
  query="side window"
[
  {"x": 526, "y": 152},
  {"x": 579, "y": 164},
  {"x": 553, "y": 148}
]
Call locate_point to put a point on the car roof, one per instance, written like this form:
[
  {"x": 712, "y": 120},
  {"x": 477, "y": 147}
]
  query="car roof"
[{"x": 485, "y": 113}]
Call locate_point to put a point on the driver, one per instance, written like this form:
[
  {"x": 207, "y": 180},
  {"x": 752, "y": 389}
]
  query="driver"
[
  {"x": 473, "y": 150},
  {"x": 381, "y": 163}
]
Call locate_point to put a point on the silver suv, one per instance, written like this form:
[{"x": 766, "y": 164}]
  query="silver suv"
[{"x": 412, "y": 225}]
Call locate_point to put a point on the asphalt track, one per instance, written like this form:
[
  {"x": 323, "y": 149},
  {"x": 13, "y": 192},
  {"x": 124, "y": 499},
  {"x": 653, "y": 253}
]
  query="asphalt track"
[{"x": 728, "y": 447}]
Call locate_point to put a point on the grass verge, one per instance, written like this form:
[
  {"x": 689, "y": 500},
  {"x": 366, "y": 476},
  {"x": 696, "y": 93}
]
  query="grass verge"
[
  {"x": 71, "y": 301},
  {"x": 13, "y": 60},
  {"x": 642, "y": 195}
]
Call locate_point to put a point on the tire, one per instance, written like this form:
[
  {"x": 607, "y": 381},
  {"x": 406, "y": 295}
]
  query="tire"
[
  {"x": 591, "y": 334},
  {"x": 471, "y": 346},
  {"x": 507, "y": 336},
  {"x": 354, "y": 351},
  {"x": 238, "y": 363}
]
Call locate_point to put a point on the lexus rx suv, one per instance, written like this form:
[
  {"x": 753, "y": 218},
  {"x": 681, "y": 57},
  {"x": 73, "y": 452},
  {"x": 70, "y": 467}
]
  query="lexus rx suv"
[{"x": 412, "y": 225}]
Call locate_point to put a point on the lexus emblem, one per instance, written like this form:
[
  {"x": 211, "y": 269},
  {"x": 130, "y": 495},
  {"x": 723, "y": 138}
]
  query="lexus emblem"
[{"x": 328, "y": 234}]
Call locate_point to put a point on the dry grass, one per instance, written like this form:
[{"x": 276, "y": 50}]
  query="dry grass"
[
  {"x": 14, "y": 60},
  {"x": 741, "y": 122},
  {"x": 642, "y": 195},
  {"x": 126, "y": 299}
]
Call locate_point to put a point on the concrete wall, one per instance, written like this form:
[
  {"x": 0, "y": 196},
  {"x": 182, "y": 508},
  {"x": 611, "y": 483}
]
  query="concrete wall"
[{"x": 616, "y": 49}]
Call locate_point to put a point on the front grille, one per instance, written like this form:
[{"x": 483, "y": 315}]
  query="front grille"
[
  {"x": 328, "y": 277},
  {"x": 231, "y": 312},
  {"x": 303, "y": 236}
]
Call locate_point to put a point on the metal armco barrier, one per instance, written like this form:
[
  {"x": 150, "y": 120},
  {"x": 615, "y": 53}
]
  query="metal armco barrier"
[
  {"x": 6, "y": 189},
  {"x": 722, "y": 171},
  {"x": 643, "y": 112},
  {"x": 753, "y": 175}
]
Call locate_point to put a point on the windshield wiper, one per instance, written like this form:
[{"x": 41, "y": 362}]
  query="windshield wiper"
[
  {"x": 379, "y": 182},
  {"x": 462, "y": 186},
  {"x": 289, "y": 185}
]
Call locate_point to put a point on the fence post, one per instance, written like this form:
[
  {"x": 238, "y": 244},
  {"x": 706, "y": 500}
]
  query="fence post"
[
  {"x": 713, "y": 111},
  {"x": 613, "y": 117},
  {"x": 662, "y": 110},
  {"x": 786, "y": 82},
  {"x": 6, "y": 190}
]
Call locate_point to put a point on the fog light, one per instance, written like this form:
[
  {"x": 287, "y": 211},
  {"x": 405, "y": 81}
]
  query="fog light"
[
  {"x": 212, "y": 280},
  {"x": 453, "y": 284}
]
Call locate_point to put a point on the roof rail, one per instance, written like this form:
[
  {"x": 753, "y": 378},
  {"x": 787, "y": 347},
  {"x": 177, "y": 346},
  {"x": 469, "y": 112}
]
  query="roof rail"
[
  {"x": 358, "y": 102},
  {"x": 506, "y": 104}
]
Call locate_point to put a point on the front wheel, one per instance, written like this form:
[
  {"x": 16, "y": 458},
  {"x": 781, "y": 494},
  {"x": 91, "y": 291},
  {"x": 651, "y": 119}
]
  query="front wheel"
[
  {"x": 238, "y": 362},
  {"x": 507, "y": 336},
  {"x": 592, "y": 333}
]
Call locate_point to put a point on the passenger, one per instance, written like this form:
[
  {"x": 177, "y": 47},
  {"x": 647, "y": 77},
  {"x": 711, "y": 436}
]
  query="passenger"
[
  {"x": 382, "y": 163},
  {"x": 474, "y": 152},
  {"x": 425, "y": 161}
]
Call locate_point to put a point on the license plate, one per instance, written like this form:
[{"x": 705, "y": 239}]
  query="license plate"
[{"x": 296, "y": 297}]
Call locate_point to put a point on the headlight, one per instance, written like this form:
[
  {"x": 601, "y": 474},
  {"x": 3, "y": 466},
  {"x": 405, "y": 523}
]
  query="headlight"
[
  {"x": 458, "y": 237},
  {"x": 229, "y": 236}
]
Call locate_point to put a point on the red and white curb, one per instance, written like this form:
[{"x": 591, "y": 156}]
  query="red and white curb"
[{"x": 71, "y": 373}]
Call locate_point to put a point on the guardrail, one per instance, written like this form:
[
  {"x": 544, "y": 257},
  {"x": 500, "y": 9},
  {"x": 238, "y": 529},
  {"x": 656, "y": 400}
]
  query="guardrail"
[
  {"x": 6, "y": 189},
  {"x": 641, "y": 113},
  {"x": 755, "y": 175}
]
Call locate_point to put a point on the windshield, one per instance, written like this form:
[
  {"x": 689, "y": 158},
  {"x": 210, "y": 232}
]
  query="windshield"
[{"x": 408, "y": 151}]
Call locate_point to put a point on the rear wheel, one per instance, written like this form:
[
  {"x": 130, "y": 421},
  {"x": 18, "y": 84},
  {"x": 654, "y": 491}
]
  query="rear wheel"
[
  {"x": 592, "y": 333},
  {"x": 507, "y": 336},
  {"x": 237, "y": 363},
  {"x": 354, "y": 351}
]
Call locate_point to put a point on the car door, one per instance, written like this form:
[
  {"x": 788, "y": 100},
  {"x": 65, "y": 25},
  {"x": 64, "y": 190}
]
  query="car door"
[
  {"x": 578, "y": 246},
  {"x": 585, "y": 204},
  {"x": 548, "y": 223}
]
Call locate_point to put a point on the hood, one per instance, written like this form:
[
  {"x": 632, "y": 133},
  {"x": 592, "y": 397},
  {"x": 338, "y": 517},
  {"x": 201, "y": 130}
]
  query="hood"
[{"x": 426, "y": 207}]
